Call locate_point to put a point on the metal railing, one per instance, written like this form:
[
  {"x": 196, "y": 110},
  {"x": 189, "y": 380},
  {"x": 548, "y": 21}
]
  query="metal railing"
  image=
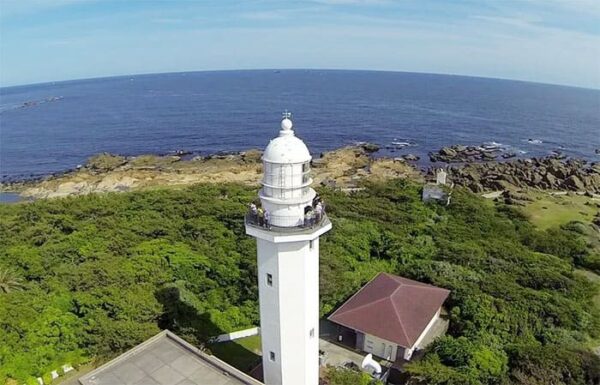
[{"x": 308, "y": 223}]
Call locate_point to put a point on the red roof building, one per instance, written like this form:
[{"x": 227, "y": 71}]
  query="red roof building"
[{"x": 391, "y": 315}]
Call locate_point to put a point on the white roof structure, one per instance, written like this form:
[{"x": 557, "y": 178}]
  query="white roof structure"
[
  {"x": 287, "y": 148},
  {"x": 166, "y": 359}
]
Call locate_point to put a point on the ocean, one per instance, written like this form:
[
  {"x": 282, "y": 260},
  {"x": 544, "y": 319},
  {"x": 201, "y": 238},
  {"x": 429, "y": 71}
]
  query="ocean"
[{"x": 53, "y": 127}]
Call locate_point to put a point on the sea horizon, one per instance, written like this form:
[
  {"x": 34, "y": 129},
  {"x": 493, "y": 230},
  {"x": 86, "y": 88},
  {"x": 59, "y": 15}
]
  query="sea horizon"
[
  {"x": 106, "y": 77},
  {"x": 53, "y": 127}
]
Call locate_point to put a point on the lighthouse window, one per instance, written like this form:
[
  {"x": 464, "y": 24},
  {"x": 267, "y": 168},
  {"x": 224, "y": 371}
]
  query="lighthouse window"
[
  {"x": 269, "y": 279},
  {"x": 305, "y": 167},
  {"x": 272, "y": 356},
  {"x": 312, "y": 333},
  {"x": 310, "y": 244}
]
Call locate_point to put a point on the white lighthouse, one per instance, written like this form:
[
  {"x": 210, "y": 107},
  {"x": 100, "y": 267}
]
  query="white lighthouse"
[{"x": 287, "y": 239}]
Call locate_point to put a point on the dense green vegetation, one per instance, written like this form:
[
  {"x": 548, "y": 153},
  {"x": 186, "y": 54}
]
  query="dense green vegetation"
[
  {"x": 344, "y": 376},
  {"x": 92, "y": 276}
]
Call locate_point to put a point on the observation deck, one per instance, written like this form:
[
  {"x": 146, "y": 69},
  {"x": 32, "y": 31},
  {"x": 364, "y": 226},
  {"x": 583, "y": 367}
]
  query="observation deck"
[{"x": 309, "y": 230}]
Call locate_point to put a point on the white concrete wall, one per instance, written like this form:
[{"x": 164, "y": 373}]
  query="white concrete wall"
[
  {"x": 286, "y": 216},
  {"x": 380, "y": 347},
  {"x": 408, "y": 352},
  {"x": 289, "y": 310},
  {"x": 237, "y": 334}
]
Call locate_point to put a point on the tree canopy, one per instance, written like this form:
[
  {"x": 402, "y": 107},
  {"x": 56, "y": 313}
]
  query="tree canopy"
[{"x": 98, "y": 274}]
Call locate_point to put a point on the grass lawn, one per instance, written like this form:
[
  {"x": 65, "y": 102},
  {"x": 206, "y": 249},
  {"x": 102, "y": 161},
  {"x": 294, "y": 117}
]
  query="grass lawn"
[
  {"x": 555, "y": 210},
  {"x": 242, "y": 354}
]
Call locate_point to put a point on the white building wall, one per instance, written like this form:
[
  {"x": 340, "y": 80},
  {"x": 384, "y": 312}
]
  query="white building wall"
[
  {"x": 289, "y": 309},
  {"x": 285, "y": 216},
  {"x": 268, "y": 263},
  {"x": 380, "y": 347},
  {"x": 409, "y": 352}
]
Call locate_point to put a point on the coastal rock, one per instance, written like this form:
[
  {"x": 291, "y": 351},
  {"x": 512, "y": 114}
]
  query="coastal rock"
[
  {"x": 465, "y": 154},
  {"x": 447, "y": 151},
  {"x": 252, "y": 156},
  {"x": 70, "y": 188},
  {"x": 318, "y": 163},
  {"x": 540, "y": 173},
  {"x": 551, "y": 180},
  {"x": 574, "y": 182},
  {"x": 370, "y": 147},
  {"x": 342, "y": 168},
  {"x": 591, "y": 181},
  {"x": 105, "y": 162},
  {"x": 112, "y": 183},
  {"x": 410, "y": 157}
]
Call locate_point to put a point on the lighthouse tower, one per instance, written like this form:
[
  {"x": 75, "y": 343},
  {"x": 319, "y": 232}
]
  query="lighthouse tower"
[{"x": 287, "y": 239}]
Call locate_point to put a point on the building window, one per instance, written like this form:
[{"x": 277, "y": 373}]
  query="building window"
[
  {"x": 272, "y": 356},
  {"x": 312, "y": 333},
  {"x": 269, "y": 279},
  {"x": 310, "y": 244}
]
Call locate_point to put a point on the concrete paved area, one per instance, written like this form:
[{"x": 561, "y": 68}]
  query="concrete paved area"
[{"x": 336, "y": 355}]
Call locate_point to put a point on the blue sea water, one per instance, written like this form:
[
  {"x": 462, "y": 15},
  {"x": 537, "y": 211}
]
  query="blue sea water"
[
  {"x": 64, "y": 123},
  {"x": 10, "y": 197}
]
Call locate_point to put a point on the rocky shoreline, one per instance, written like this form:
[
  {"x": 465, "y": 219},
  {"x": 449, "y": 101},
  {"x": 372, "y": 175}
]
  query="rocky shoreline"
[
  {"x": 343, "y": 168},
  {"x": 465, "y": 154},
  {"x": 547, "y": 173},
  {"x": 477, "y": 168}
]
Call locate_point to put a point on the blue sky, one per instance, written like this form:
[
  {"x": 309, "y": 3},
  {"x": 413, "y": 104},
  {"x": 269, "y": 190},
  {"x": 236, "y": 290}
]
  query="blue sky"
[{"x": 551, "y": 41}]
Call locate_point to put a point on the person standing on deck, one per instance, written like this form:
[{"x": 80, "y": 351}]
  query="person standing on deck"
[
  {"x": 319, "y": 211},
  {"x": 260, "y": 216}
]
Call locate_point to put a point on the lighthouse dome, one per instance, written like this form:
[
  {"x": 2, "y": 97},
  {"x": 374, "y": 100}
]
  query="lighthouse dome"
[
  {"x": 287, "y": 148},
  {"x": 286, "y": 191}
]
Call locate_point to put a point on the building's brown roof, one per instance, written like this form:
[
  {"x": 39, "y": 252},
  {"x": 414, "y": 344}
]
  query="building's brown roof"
[{"x": 393, "y": 308}]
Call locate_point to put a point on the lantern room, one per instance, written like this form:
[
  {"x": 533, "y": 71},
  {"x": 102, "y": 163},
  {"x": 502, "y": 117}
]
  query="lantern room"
[{"x": 286, "y": 182}]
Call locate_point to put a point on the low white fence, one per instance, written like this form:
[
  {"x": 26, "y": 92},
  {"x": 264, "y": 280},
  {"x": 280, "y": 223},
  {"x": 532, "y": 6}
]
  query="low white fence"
[{"x": 236, "y": 335}]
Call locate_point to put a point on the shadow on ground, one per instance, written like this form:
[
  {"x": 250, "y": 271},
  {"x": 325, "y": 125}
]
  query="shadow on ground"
[{"x": 197, "y": 328}]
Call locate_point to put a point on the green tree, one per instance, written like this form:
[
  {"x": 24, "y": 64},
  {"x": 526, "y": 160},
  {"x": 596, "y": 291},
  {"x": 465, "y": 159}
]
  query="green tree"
[{"x": 9, "y": 281}]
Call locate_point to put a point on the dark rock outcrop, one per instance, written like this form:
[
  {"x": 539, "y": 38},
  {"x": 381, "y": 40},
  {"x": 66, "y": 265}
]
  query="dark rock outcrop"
[
  {"x": 370, "y": 147},
  {"x": 465, "y": 154},
  {"x": 410, "y": 157},
  {"x": 542, "y": 173}
]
